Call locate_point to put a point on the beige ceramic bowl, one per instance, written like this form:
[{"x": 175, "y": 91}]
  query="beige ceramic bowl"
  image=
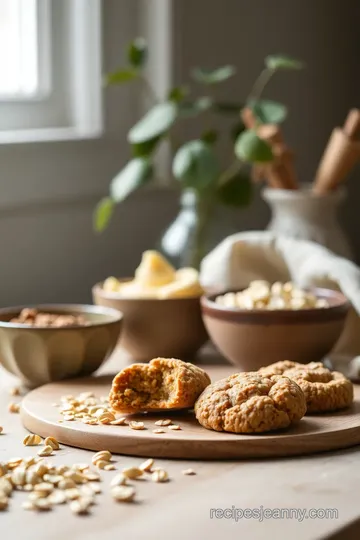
[
  {"x": 170, "y": 328},
  {"x": 252, "y": 339},
  {"x": 38, "y": 355}
]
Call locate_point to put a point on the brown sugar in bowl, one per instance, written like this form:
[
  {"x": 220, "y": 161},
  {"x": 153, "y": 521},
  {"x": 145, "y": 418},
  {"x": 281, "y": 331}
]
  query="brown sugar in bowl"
[
  {"x": 254, "y": 338},
  {"x": 171, "y": 327}
]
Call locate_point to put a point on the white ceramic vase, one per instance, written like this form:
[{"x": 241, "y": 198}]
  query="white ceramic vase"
[{"x": 304, "y": 215}]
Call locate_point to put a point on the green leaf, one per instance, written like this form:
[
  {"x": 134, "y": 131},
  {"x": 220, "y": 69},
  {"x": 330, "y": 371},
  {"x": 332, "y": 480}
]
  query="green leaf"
[
  {"x": 102, "y": 213},
  {"x": 237, "y": 191},
  {"x": 267, "y": 111},
  {"x": 213, "y": 76},
  {"x": 195, "y": 165},
  {"x": 227, "y": 108},
  {"x": 121, "y": 76},
  {"x": 210, "y": 136},
  {"x": 134, "y": 175},
  {"x": 156, "y": 122},
  {"x": 178, "y": 94},
  {"x": 250, "y": 148},
  {"x": 281, "y": 61},
  {"x": 137, "y": 52},
  {"x": 237, "y": 129},
  {"x": 146, "y": 148},
  {"x": 193, "y": 108}
]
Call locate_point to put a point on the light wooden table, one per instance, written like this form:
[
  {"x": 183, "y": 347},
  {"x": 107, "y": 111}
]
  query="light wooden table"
[{"x": 181, "y": 508}]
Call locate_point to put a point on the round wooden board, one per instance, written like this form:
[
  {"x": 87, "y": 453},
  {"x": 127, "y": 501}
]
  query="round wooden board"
[{"x": 313, "y": 434}]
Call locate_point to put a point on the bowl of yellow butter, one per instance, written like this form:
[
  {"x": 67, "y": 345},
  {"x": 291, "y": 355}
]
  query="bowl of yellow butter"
[{"x": 161, "y": 307}]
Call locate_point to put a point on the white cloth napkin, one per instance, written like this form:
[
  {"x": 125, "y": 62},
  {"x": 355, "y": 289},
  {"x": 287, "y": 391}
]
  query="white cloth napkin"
[{"x": 243, "y": 257}]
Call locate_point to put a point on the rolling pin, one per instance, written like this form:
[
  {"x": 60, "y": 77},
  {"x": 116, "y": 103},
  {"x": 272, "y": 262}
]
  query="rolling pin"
[{"x": 341, "y": 154}]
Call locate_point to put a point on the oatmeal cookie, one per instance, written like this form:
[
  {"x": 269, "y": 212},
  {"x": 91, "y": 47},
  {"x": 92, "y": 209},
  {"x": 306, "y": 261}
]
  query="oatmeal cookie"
[
  {"x": 163, "y": 383},
  {"x": 324, "y": 390},
  {"x": 250, "y": 403}
]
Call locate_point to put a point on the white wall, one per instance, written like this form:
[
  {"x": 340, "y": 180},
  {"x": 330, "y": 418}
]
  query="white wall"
[{"x": 48, "y": 249}]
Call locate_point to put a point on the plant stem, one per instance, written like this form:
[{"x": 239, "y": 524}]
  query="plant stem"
[
  {"x": 229, "y": 172},
  {"x": 260, "y": 83},
  {"x": 204, "y": 208},
  {"x": 151, "y": 94}
]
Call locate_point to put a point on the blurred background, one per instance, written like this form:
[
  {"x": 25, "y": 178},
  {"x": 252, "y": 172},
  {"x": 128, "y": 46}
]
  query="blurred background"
[{"x": 63, "y": 137}]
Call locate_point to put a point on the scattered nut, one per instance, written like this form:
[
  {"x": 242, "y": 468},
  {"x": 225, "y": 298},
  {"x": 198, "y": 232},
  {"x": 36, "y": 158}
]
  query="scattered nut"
[
  {"x": 174, "y": 427},
  {"x": 46, "y": 451},
  {"x": 109, "y": 467},
  {"x": 158, "y": 431},
  {"x": 137, "y": 425},
  {"x": 163, "y": 423},
  {"x": 14, "y": 391},
  {"x": 32, "y": 440},
  {"x": 123, "y": 493},
  {"x": 1, "y": 429},
  {"x": 132, "y": 472},
  {"x": 51, "y": 441},
  {"x": 101, "y": 464},
  {"x": 160, "y": 475}
]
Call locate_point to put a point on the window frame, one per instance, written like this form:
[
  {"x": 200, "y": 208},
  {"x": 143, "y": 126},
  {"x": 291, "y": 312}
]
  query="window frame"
[{"x": 73, "y": 109}]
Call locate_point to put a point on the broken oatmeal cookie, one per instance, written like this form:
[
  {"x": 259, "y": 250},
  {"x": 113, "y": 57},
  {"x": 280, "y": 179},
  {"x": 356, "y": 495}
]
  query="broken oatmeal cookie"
[
  {"x": 163, "y": 383},
  {"x": 250, "y": 403}
]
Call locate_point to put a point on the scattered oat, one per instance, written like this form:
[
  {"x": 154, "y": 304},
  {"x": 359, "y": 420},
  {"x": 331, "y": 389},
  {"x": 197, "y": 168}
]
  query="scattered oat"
[
  {"x": 42, "y": 505},
  {"x": 188, "y": 472},
  {"x": 14, "y": 391},
  {"x": 43, "y": 489},
  {"x": 57, "y": 497},
  {"x": 69, "y": 418},
  {"x": 123, "y": 493},
  {"x": 51, "y": 441},
  {"x": 67, "y": 483},
  {"x": 14, "y": 462},
  {"x": 32, "y": 440},
  {"x": 119, "y": 422},
  {"x": 14, "y": 407},
  {"x": 1, "y": 429},
  {"x": 109, "y": 467},
  {"x": 72, "y": 494},
  {"x": 137, "y": 425},
  {"x": 6, "y": 486},
  {"x": 46, "y": 451},
  {"x": 174, "y": 427},
  {"x": 163, "y": 423},
  {"x": 81, "y": 506},
  {"x": 101, "y": 464},
  {"x": 147, "y": 465},
  {"x": 158, "y": 431},
  {"x": 160, "y": 475},
  {"x": 4, "y": 501},
  {"x": 119, "y": 480},
  {"x": 106, "y": 417},
  {"x": 132, "y": 472},
  {"x": 28, "y": 505},
  {"x": 103, "y": 455}
]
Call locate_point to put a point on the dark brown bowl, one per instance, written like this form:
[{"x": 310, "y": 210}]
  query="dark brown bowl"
[
  {"x": 38, "y": 355},
  {"x": 251, "y": 339},
  {"x": 171, "y": 327}
]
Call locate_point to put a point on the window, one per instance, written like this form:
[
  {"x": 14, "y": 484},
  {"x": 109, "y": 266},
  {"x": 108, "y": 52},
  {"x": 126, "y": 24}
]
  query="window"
[{"x": 38, "y": 102}]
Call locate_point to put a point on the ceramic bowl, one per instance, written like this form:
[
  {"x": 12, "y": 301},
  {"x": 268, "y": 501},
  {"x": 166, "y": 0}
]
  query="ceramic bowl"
[
  {"x": 171, "y": 327},
  {"x": 38, "y": 355},
  {"x": 252, "y": 339}
]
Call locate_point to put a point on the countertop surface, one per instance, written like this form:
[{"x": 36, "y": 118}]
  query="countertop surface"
[{"x": 203, "y": 506}]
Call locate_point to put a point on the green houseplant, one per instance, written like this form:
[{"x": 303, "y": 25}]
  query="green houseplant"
[{"x": 195, "y": 164}]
